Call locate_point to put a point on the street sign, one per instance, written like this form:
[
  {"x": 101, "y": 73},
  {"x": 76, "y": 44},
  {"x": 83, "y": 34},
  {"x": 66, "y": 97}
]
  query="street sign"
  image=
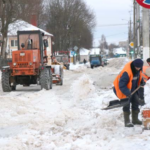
[
  {"x": 144, "y": 3},
  {"x": 131, "y": 44},
  {"x": 72, "y": 52},
  {"x": 75, "y": 48}
]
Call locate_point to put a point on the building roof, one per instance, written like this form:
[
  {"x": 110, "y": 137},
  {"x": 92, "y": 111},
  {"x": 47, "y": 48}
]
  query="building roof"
[
  {"x": 84, "y": 51},
  {"x": 95, "y": 51},
  {"x": 21, "y": 25},
  {"x": 119, "y": 51}
]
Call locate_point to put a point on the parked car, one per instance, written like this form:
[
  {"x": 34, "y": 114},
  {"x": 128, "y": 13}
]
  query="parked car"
[
  {"x": 105, "y": 61},
  {"x": 96, "y": 61}
]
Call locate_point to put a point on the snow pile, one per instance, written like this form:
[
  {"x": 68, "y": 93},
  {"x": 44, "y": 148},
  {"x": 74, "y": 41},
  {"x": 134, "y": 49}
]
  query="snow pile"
[
  {"x": 15, "y": 107},
  {"x": 49, "y": 120},
  {"x": 78, "y": 67},
  {"x": 117, "y": 62},
  {"x": 147, "y": 95},
  {"x": 82, "y": 88}
]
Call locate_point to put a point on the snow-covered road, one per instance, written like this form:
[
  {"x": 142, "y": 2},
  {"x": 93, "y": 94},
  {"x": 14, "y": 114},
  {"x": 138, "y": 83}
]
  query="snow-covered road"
[{"x": 69, "y": 117}]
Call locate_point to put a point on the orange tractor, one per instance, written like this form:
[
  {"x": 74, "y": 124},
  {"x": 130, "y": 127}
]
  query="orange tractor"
[{"x": 29, "y": 63}]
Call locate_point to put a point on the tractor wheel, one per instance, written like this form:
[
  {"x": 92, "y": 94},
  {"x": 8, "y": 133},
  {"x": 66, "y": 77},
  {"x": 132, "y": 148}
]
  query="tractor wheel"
[
  {"x": 51, "y": 80},
  {"x": 61, "y": 76},
  {"x": 61, "y": 82},
  {"x": 13, "y": 88},
  {"x": 68, "y": 67},
  {"x": 45, "y": 79},
  {"x": 6, "y": 82}
]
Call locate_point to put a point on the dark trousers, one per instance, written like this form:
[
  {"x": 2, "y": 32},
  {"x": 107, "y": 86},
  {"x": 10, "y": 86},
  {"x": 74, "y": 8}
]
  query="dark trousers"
[{"x": 134, "y": 102}]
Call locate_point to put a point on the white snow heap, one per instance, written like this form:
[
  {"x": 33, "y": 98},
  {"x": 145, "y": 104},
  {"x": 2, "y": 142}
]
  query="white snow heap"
[
  {"x": 147, "y": 95},
  {"x": 119, "y": 51},
  {"x": 82, "y": 88},
  {"x": 49, "y": 120}
]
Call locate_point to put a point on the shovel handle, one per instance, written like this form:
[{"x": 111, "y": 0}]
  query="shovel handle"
[{"x": 135, "y": 90}]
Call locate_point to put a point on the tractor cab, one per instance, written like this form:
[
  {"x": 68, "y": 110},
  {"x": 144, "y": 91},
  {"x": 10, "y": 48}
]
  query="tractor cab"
[
  {"x": 31, "y": 52},
  {"x": 32, "y": 41}
]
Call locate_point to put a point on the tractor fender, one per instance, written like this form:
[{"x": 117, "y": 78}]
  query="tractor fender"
[{"x": 5, "y": 69}]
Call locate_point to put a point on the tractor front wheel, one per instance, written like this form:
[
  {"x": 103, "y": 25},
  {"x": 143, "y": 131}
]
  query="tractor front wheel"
[{"x": 6, "y": 86}]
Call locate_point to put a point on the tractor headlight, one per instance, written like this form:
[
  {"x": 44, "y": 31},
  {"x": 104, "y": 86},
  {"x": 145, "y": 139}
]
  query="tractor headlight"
[
  {"x": 14, "y": 64},
  {"x": 30, "y": 63}
]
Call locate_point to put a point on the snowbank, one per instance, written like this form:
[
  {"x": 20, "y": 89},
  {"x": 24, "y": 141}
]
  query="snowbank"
[
  {"x": 79, "y": 67},
  {"x": 49, "y": 120},
  {"x": 82, "y": 88}
]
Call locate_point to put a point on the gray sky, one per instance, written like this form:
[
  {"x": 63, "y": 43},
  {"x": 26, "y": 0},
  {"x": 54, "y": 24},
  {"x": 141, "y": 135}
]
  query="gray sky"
[{"x": 110, "y": 12}]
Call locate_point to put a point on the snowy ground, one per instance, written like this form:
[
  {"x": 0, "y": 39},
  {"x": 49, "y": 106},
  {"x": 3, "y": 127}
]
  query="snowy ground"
[{"x": 69, "y": 117}]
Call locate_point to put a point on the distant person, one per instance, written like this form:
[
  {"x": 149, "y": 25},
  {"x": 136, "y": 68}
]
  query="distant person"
[
  {"x": 125, "y": 83},
  {"x": 84, "y": 61}
]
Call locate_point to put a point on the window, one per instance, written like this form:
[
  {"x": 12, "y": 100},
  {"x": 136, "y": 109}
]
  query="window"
[{"x": 14, "y": 43}]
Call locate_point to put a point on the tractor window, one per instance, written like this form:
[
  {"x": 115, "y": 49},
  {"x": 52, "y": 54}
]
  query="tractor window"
[
  {"x": 65, "y": 59},
  {"x": 58, "y": 58},
  {"x": 31, "y": 41}
]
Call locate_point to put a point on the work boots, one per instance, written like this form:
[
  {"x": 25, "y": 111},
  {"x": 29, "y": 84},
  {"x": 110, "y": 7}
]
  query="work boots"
[
  {"x": 135, "y": 119},
  {"x": 127, "y": 119}
]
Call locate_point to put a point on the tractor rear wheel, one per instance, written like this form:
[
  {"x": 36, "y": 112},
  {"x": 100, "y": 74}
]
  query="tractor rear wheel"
[
  {"x": 6, "y": 86},
  {"x": 61, "y": 82},
  {"x": 45, "y": 79},
  {"x": 61, "y": 76},
  {"x": 51, "y": 79}
]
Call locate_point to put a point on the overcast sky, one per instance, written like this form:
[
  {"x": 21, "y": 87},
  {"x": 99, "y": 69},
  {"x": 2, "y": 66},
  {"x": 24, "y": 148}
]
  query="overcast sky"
[{"x": 110, "y": 12}]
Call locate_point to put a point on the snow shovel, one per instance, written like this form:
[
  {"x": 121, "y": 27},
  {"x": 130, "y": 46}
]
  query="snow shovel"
[{"x": 120, "y": 103}]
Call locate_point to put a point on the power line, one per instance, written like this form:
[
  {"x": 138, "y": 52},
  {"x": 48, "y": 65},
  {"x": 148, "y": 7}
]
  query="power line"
[
  {"x": 106, "y": 25},
  {"x": 113, "y": 35}
]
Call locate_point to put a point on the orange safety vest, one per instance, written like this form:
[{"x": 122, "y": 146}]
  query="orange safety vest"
[
  {"x": 145, "y": 77},
  {"x": 127, "y": 68}
]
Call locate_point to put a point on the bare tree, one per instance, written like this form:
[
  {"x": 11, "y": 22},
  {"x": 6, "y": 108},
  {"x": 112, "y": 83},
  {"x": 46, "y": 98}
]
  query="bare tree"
[
  {"x": 103, "y": 44},
  {"x": 71, "y": 23},
  {"x": 12, "y": 10},
  {"x": 111, "y": 48}
]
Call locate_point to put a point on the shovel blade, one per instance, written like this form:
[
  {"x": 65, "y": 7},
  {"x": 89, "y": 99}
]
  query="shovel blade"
[{"x": 116, "y": 104}]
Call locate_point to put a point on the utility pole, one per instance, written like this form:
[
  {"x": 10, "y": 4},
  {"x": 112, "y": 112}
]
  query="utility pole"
[
  {"x": 138, "y": 29},
  {"x": 145, "y": 19},
  {"x": 134, "y": 31},
  {"x": 129, "y": 37}
]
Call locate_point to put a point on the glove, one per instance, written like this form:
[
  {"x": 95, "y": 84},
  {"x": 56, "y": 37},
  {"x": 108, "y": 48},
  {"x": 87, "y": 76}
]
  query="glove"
[
  {"x": 141, "y": 101},
  {"x": 129, "y": 96},
  {"x": 143, "y": 83}
]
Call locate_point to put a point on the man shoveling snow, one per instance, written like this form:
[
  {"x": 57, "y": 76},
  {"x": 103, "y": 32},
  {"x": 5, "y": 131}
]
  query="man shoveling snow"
[{"x": 129, "y": 79}]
